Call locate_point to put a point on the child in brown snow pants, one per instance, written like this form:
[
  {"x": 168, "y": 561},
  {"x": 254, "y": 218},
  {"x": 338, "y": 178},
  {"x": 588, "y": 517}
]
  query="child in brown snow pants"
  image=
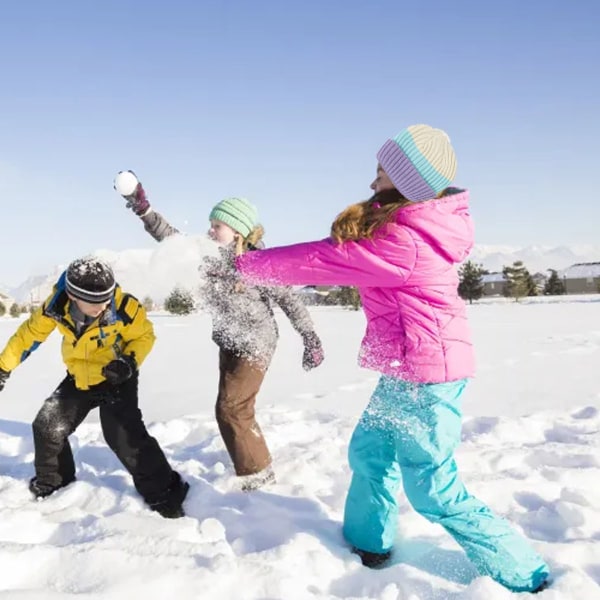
[{"x": 244, "y": 326}]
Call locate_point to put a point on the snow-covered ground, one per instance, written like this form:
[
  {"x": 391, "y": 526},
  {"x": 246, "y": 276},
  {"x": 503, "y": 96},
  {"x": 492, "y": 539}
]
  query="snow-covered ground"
[{"x": 531, "y": 450}]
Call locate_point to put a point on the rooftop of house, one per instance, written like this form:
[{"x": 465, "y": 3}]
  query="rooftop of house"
[
  {"x": 493, "y": 278},
  {"x": 581, "y": 271}
]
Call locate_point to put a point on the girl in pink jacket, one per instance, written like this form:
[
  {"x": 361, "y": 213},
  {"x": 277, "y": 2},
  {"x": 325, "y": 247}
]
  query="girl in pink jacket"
[{"x": 400, "y": 248}]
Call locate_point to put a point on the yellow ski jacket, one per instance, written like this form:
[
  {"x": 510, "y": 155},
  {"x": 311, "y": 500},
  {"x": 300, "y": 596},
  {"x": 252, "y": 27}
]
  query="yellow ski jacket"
[{"x": 123, "y": 328}]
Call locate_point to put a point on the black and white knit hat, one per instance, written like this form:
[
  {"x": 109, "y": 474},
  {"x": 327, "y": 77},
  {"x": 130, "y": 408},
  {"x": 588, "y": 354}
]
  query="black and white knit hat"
[{"x": 91, "y": 280}]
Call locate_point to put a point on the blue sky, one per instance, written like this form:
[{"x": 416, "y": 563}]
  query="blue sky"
[{"x": 287, "y": 103}]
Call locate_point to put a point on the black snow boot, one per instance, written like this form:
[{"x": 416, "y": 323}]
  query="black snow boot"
[
  {"x": 372, "y": 560},
  {"x": 543, "y": 586},
  {"x": 169, "y": 505},
  {"x": 43, "y": 490}
]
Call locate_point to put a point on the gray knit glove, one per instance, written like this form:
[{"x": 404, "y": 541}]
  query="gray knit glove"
[{"x": 313, "y": 352}]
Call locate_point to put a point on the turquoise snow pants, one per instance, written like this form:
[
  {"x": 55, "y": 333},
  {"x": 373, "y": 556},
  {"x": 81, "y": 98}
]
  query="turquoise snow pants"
[{"x": 408, "y": 434}]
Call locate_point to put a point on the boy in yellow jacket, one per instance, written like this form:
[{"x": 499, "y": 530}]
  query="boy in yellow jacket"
[{"x": 106, "y": 337}]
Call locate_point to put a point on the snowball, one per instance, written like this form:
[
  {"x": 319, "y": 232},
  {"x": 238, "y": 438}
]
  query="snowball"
[{"x": 125, "y": 183}]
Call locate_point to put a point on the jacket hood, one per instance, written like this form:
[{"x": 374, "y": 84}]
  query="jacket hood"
[{"x": 444, "y": 222}]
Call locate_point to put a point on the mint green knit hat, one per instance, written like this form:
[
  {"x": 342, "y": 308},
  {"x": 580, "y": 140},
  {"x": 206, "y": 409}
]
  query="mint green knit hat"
[{"x": 238, "y": 213}]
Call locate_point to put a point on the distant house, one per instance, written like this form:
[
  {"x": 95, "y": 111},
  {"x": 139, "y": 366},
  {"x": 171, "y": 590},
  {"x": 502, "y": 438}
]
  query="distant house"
[
  {"x": 316, "y": 294},
  {"x": 493, "y": 284},
  {"x": 581, "y": 278}
]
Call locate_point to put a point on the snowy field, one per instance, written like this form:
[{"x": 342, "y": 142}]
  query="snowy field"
[{"x": 531, "y": 450}]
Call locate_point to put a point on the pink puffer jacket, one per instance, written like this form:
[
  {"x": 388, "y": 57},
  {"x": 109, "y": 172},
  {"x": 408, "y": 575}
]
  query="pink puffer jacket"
[{"x": 416, "y": 323}]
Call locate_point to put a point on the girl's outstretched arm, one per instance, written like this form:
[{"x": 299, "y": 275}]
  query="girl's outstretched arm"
[{"x": 386, "y": 261}]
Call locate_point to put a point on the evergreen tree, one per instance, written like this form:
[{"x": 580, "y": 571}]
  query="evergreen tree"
[
  {"x": 519, "y": 282},
  {"x": 344, "y": 295},
  {"x": 471, "y": 281},
  {"x": 179, "y": 302},
  {"x": 2, "y": 309},
  {"x": 15, "y": 310},
  {"x": 148, "y": 303},
  {"x": 349, "y": 296},
  {"x": 331, "y": 297},
  {"x": 532, "y": 287},
  {"x": 554, "y": 286}
]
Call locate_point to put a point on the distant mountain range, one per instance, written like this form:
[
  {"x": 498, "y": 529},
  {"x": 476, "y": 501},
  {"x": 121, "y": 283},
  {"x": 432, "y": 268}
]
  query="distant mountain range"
[
  {"x": 535, "y": 258},
  {"x": 154, "y": 273}
]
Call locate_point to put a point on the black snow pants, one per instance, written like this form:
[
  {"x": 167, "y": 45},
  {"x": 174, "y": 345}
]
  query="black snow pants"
[{"x": 123, "y": 429}]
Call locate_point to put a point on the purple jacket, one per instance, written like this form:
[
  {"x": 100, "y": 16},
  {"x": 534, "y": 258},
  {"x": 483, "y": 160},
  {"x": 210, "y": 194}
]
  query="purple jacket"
[{"x": 416, "y": 322}]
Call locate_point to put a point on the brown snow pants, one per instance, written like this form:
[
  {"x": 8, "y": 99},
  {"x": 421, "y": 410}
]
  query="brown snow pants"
[{"x": 239, "y": 383}]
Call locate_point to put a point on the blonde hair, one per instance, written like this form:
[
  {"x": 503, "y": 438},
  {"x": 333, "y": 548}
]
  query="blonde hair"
[
  {"x": 252, "y": 240},
  {"x": 243, "y": 244}
]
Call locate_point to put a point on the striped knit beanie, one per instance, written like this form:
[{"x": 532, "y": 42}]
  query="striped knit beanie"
[
  {"x": 419, "y": 161},
  {"x": 238, "y": 213},
  {"x": 90, "y": 280}
]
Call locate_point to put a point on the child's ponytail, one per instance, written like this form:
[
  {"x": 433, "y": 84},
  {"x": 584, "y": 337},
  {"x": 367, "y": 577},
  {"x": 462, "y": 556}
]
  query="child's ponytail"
[{"x": 252, "y": 240}]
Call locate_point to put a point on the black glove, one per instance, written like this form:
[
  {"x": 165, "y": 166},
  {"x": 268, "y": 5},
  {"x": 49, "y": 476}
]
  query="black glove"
[
  {"x": 4, "y": 375},
  {"x": 120, "y": 370},
  {"x": 313, "y": 352},
  {"x": 137, "y": 201}
]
